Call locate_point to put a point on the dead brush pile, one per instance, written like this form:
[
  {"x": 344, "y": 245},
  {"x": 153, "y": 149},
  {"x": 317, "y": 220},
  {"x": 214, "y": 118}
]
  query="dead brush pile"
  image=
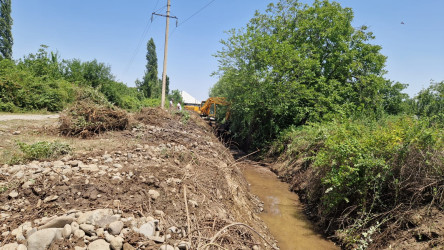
[
  {"x": 85, "y": 119},
  {"x": 152, "y": 116}
]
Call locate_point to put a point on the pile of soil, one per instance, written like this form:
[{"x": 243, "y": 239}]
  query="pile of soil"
[{"x": 169, "y": 169}]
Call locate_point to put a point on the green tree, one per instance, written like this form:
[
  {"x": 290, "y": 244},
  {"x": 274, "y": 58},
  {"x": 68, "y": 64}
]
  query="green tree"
[
  {"x": 430, "y": 102},
  {"x": 6, "y": 40},
  {"x": 43, "y": 63},
  {"x": 167, "y": 87},
  {"x": 156, "y": 90},
  {"x": 298, "y": 63},
  {"x": 96, "y": 73},
  {"x": 90, "y": 73},
  {"x": 175, "y": 96},
  {"x": 395, "y": 102},
  {"x": 149, "y": 86}
]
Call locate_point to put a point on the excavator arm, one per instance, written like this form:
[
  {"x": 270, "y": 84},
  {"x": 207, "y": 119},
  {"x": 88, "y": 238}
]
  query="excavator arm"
[{"x": 213, "y": 102}]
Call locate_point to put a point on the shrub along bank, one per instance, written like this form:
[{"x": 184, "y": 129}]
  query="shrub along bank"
[
  {"x": 363, "y": 180},
  {"x": 42, "y": 81}
]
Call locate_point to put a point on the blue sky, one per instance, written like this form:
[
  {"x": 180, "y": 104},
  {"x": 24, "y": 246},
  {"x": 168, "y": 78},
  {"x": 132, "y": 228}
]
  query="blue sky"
[{"x": 116, "y": 32}]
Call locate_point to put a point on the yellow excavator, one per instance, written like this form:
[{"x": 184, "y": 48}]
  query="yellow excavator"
[{"x": 209, "y": 108}]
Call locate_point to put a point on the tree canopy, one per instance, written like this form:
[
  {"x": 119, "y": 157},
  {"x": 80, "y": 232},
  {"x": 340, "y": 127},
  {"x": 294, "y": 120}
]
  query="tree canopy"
[
  {"x": 150, "y": 85},
  {"x": 295, "y": 64},
  {"x": 430, "y": 102},
  {"x": 6, "y": 40}
]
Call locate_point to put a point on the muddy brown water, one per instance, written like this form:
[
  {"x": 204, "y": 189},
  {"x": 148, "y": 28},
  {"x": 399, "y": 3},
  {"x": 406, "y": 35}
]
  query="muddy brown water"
[{"x": 283, "y": 212}]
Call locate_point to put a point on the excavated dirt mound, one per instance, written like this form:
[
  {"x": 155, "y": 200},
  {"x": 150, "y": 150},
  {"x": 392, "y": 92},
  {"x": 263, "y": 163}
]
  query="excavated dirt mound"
[{"x": 166, "y": 170}]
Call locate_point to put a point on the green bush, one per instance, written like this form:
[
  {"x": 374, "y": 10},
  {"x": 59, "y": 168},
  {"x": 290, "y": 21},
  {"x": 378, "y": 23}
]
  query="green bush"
[
  {"x": 8, "y": 107},
  {"x": 42, "y": 81},
  {"x": 151, "y": 102},
  {"x": 26, "y": 90},
  {"x": 367, "y": 169},
  {"x": 430, "y": 102},
  {"x": 183, "y": 114},
  {"x": 122, "y": 95},
  {"x": 41, "y": 151}
]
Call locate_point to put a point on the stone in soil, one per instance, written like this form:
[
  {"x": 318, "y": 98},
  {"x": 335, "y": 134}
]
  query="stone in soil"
[
  {"x": 166, "y": 247},
  {"x": 96, "y": 217},
  {"x": 43, "y": 238},
  {"x": 147, "y": 229},
  {"x": 10, "y": 246},
  {"x": 98, "y": 245},
  {"x": 116, "y": 243},
  {"x": 74, "y": 226},
  {"x": 88, "y": 229},
  {"x": 13, "y": 194},
  {"x": 66, "y": 231},
  {"x": 58, "y": 222},
  {"x": 127, "y": 246},
  {"x": 115, "y": 227},
  {"x": 79, "y": 233},
  {"x": 153, "y": 194}
]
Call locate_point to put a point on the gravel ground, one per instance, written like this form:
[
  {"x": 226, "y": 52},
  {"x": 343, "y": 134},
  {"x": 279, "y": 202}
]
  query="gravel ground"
[{"x": 180, "y": 183}]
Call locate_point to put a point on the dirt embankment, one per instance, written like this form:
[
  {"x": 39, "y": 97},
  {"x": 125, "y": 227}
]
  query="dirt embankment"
[
  {"x": 166, "y": 183},
  {"x": 416, "y": 228}
]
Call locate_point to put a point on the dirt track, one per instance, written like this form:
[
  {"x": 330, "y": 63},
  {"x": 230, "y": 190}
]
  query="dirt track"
[
  {"x": 139, "y": 175},
  {"x": 28, "y": 117}
]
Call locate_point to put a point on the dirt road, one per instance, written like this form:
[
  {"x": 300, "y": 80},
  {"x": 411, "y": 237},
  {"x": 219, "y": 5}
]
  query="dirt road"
[{"x": 31, "y": 117}]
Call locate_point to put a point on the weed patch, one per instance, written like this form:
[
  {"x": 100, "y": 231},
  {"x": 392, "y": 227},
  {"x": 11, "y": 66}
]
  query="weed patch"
[
  {"x": 40, "y": 151},
  {"x": 184, "y": 116}
]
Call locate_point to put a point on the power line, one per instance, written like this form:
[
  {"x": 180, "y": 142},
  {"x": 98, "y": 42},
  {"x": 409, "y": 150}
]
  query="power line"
[
  {"x": 162, "y": 8},
  {"x": 194, "y": 14},
  {"x": 197, "y": 12},
  {"x": 139, "y": 44},
  {"x": 142, "y": 38},
  {"x": 155, "y": 6}
]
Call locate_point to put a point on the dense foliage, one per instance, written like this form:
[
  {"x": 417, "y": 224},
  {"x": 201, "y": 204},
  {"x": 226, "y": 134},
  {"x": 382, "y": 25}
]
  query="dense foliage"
[
  {"x": 23, "y": 90},
  {"x": 367, "y": 174},
  {"x": 6, "y": 40},
  {"x": 298, "y": 63},
  {"x": 430, "y": 102},
  {"x": 42, "y": 81}
]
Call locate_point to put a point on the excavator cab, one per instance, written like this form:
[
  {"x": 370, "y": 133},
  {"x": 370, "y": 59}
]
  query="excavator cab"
[{"x": 209, "y": 107}]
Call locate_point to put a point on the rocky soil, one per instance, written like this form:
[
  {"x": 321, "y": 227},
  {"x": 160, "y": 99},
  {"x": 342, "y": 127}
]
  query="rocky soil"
[{"x": 167, "y": 183}]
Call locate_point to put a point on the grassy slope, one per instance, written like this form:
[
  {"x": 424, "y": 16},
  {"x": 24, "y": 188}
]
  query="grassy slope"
[{"x": 364, "y": 180}]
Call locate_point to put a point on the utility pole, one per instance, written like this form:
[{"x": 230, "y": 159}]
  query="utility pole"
[{"x": 165, "y": 55}]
